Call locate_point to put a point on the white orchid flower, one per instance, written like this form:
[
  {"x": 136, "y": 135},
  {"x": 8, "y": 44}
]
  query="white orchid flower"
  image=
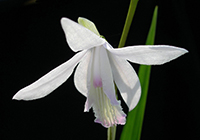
[{"x": 99, "y": 67}]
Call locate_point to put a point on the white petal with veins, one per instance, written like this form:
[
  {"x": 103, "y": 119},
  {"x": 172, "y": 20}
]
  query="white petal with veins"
[
  {"x": 148, "y": 54},
  {"x": 126, "y": 80},
  {"x": 79, "y": 37},
  {"x": 81, "y": 74},
  {"x": 50, "y": 81}
]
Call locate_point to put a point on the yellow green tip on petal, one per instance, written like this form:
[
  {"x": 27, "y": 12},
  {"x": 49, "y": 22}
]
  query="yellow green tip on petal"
[{"x": 88, "y": 24}]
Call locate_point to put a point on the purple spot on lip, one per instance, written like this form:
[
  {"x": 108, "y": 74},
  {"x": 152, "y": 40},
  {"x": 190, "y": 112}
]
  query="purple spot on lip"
[{"x": 97, "y": 82}]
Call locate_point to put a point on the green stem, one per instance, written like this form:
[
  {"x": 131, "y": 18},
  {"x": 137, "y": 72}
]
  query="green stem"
[
  {"x": 111, "y": 133},
  {"x": 132, "y": 7},
  {"x": 131, "y": 12}
]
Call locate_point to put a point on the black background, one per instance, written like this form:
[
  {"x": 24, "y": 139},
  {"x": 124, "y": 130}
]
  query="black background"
[{"x": 32, "y": 43}]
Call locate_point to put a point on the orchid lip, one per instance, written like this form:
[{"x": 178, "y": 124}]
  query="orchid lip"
[{"x": 106, "y": 114}]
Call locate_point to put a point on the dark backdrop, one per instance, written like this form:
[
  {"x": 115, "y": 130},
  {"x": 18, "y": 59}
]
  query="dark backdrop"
[{"x": 32, "y": 43}]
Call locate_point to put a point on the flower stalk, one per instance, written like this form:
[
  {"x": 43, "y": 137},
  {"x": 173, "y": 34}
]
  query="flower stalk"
[
  {"x": 112, "y": 133},
  {"x": 131, "y": 11},
  {"x": 129, "y": 18}
]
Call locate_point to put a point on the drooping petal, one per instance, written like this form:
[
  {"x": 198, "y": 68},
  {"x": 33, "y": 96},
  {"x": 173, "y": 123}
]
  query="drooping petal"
[
  {"x": 107, "y": 77},
  {"x": 88, "y": 24},
  {"x": 90, "y": 99},
  {"x": 79, "y": 37},
  {"x": 50, "y": 81},
  {"x": 83, "y": 73},
  {"x": 126, "y": 80},
  {"x": 91, "y": 90},
  {"x": 148, "y": 54}
]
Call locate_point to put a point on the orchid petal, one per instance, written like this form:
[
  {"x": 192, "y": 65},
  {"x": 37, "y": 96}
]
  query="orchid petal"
[
  {"x": 79, "y": 37},
  {"x": 107, "y": 77},
  {"x": 126, "y": 80},
  {"x": 148, "y": 54},
  {"x": 90, "y": 99},
  {"x": 82, "y": 74},
  {"x": 88, "y": 24},
  {"x": 50, "y": 81}
]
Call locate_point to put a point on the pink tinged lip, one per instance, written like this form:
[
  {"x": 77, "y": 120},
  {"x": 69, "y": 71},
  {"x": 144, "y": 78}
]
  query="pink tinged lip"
[{"x": 105, "y": 113}]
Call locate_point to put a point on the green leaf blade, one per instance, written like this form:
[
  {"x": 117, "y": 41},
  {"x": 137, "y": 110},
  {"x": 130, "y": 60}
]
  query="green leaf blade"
[{"x": 133, "y": 128}]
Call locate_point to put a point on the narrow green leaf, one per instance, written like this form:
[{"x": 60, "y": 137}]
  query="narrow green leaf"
[
  {"x": 132, "y": 129},
  {"x": 152, "y": 30}
]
